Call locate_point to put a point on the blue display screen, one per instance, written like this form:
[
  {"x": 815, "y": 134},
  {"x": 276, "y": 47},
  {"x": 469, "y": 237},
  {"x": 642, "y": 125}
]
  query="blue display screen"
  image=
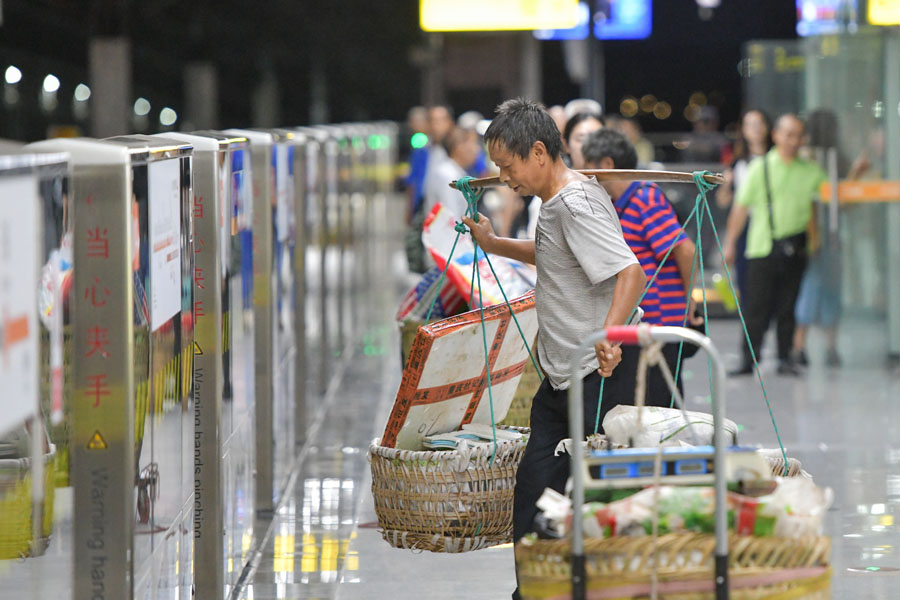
[
  {"x": 821, "y": 17},
  {"x": 579, "y": 32},
  {"x": 623, "y": 19}
]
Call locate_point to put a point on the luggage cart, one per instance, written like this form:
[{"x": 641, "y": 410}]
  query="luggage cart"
[{"x": 644, "y": 335}]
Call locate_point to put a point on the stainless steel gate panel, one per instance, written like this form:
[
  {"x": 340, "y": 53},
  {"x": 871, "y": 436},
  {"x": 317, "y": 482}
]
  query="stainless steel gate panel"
[
  {"x": 101, "y": 307},
  {"x": 162, "y": 274},
  {"x": 263, "y": 188},
  {"x": 238, "y": 400}
]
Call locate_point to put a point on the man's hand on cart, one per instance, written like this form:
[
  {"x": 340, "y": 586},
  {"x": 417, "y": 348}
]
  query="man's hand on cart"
[{"x": 609, "y": 355}]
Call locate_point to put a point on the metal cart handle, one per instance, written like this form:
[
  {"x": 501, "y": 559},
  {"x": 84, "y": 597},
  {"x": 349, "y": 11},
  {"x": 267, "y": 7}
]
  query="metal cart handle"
[{"x": 643, "y": 335}]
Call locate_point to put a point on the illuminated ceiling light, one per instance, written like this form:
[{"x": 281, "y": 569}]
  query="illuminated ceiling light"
[
  {"x": 628, "y": 107},
  {"x": 141, "y": 107},
  {"x": 662, "y": 110},
  {"x": 167, "y": 117},
  {"x": 13, "y": 75},
  {"x": 82, "y": 92},
  {"x": 51, "y": 84},
  {"x": 698, "y": 98},
  {"x": 473, "y": 15},
  {"x": 418, "y": 140},
  {"x": 648, "y": 101},
  {"x": 706, "y": 8}
]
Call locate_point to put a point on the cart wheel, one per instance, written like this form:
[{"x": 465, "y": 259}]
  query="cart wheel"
[{"x": 143, "y": 505}]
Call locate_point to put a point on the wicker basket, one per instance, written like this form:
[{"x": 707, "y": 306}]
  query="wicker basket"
[
  {"x": 621, "y": 567},
  {"x": 408, "y": 330},
  {"x": 15, "y": 506},
  {"x": 519, "y": 413},
  {"x": 445, "y": 501}
]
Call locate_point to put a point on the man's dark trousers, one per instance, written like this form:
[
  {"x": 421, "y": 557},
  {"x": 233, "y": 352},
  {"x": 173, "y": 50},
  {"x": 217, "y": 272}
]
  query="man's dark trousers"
[
  {"x": 773, "y": 283},
  {"x": 539, "y": 468}
]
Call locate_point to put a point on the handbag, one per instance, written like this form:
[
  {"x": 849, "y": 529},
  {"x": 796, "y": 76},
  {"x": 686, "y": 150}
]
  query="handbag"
[{"x": 786, "y": 247}]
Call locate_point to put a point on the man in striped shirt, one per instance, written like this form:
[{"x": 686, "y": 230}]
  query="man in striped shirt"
[{"x": 650, "y": 228}]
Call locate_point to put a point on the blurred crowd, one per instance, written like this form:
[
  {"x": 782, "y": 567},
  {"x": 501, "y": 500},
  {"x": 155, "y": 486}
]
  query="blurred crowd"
[{"x": 777, "y": 241}]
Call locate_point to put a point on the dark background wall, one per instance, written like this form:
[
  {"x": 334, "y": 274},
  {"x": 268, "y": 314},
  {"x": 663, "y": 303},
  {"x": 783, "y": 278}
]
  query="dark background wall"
[{"x": 355, "y": 54}]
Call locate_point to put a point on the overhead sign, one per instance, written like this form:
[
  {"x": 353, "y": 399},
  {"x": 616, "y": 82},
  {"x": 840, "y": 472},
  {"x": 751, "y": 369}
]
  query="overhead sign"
[
  {"x": 623, "y": 19},
  {"x": 579, "y": 32},
  {"x": 497, "y": 15},
  {"x": 884, "y": 12}
]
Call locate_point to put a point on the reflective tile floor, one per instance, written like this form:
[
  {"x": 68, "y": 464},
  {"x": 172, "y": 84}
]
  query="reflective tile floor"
[{"x": 841, "y": 423}]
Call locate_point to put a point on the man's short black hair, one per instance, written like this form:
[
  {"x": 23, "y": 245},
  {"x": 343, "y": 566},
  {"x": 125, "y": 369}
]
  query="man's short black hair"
[
  {"x": 519, "y": 124},
  {"x": 611, "y": 143}
]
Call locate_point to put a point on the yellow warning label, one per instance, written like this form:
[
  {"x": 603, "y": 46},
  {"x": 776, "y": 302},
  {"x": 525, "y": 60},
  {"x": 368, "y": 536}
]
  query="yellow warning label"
[
  {"x": 197, "y": 350},
  {"x": 97, "y": 442}
]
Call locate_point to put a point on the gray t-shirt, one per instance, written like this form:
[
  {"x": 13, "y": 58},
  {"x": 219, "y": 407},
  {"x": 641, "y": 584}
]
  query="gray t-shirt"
[{"x": 579, "y": 249}]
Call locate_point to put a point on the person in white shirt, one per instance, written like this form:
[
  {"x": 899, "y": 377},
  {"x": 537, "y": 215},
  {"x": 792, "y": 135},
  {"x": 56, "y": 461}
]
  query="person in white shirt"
[{"x": 461, "y": 147}]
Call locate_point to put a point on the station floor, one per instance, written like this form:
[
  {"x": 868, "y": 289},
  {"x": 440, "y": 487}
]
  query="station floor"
[
  {"x": 323, "y": 541},
  {"x": 843, "y": 424}
]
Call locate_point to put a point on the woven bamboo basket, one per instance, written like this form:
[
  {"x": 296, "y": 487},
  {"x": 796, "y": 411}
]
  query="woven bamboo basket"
[
  {"x": 15, "y": 506},
  {"x": 408, "y": 330},
  {"x": 621, "y": 568},
  {"x": 519, "y": 413},
  {"x": 445, "y": 501}
]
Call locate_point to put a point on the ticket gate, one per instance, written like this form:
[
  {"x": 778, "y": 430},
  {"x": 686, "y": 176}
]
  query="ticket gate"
[
  {"x": 288, "y": 304},
  {"x": 32, "y": 236},
  {"x": 132, "y": 339},
  {"x": 222, "y": 178}
]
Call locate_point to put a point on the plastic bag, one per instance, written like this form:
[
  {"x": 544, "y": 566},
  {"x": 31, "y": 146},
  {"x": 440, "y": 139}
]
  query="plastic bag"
[
  {"x": 662, "y": 427},
  {"x": 795, "y": 510}
]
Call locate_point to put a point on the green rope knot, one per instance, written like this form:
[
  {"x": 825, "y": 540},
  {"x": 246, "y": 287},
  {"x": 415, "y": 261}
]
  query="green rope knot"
[
  {"x": 472, "y": 196},
  {"x": 702, "y": 184},
  {"x": 460, "y": 228}
]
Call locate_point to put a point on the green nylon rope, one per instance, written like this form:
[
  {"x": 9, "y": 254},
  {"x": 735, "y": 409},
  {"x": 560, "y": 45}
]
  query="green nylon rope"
[
  {"x": 762, "y": 385},
  {"x": 487, "y": 362},
  {"x": 463, "y": 185},
  {"x": 684, "y": 324},
  {"x": 701, "y": 205},
  {"x": 472, "y": 197},
  {"x": 647, "y": 287}
]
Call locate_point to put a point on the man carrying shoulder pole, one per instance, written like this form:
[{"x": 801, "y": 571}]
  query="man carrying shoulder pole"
[{"x": 587, "y": 279}]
